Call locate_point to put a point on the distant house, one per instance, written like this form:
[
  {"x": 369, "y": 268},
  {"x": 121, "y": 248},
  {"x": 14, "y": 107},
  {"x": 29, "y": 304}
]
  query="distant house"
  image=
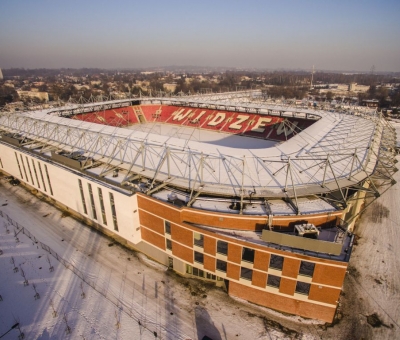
[
  {"x": 370, "y": 103},
  {"x": 170, "y": 87},
  {"x": 43, "y": 96}
]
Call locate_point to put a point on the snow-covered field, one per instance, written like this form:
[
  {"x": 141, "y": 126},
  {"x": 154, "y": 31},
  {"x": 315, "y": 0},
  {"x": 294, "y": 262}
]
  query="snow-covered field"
[
  {"x": 99, "y": 290},
  {"x": 120, "y": 288},
  {"x": 56, "y": 299}
]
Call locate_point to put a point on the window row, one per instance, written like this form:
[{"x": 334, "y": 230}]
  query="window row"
[
  {"x": 248, "y": 254},
  {"x": 202, "y": 273},
  {"x": 247, "y": 274},
  {"x": 301, "y": 287},
  {"x": 102, "y": 206},
  {"x": 25, "y": 167}
]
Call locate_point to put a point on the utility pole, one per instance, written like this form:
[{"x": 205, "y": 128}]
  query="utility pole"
[{"x": 312, "y": 77}]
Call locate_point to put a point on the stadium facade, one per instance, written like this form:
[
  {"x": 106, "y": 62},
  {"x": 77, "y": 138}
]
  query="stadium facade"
[{"x": 259, "y": 198}]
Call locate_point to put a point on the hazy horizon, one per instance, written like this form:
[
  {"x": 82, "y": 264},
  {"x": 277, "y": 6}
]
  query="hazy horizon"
[{"x": 342, "y": 35}]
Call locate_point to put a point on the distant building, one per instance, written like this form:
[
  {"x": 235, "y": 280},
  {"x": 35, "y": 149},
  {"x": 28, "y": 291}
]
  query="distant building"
[
  {"x": 370, "y": 103},
  {"x": 352, "y": 87},
  {"x": 170, "y": 87},
  {"x": 43, "y": 96},
  {"x": 1, "y": 75}
]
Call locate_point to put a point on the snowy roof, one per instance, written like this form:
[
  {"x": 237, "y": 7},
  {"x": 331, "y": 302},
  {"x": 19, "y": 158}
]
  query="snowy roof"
[{"x": 337, "y": 151}]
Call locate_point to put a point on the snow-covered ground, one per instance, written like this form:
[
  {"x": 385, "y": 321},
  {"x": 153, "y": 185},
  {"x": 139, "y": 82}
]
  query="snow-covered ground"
[{"x": 122, "y": 288}]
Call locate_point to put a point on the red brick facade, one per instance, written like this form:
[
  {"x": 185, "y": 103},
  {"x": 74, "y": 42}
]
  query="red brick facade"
[{"x": 324, "y": 286}]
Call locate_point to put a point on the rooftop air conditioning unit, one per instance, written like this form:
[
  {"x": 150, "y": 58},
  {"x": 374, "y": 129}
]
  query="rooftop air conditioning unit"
[
  {"x": 306, "y": 230},
  {"x": 172, "y": 197}
]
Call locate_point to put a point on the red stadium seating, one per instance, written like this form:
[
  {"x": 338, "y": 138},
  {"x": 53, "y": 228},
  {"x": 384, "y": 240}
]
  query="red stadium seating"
[
  {"x": 247, "y": 124},
  {"x": 123, "y": 116}
]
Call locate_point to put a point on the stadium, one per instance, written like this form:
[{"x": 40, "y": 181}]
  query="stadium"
[{"x": 259, "y": 198}]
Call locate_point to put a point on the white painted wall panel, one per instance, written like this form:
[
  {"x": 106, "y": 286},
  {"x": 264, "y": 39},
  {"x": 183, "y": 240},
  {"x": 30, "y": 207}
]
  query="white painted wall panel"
[{"x": 65, "y": 187}]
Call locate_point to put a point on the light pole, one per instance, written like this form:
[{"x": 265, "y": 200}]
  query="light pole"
[{"x": 21, "y": 336}]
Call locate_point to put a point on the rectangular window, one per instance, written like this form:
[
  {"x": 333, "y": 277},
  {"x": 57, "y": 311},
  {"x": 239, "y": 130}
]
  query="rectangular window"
[
  {"x": 34, "y": 170},
  {"x": 114, "y": 212},
  {"x": 103, "y": 210},
  {"x": 19, "y": 167},
  {"x": 198, "y": 239},
  {"x": 221, "y": 265},
  {"x": 199, "y": 257},
  {"x": 248, "y": 255},
  {"x": 169, "y": 244},
  {"x": 82, "y": 196},
  {"x": 92, "y": 201},
  {"x": 276, "y": 262},
  {"x": 23, "y": 167},
  {"x": 198, "y": 272},
  {"x": 246, "y": 273},
  {"x": 48, "y": 180},
  {"x": 41, "y": 176},
  {"x": 302, "y": 288},
  {"x": 201, "y": 273},
  {"x": 167, "y": 225},
  {"x": 211, "y": 276},
  {"x": 306, "y": 268},
  {"x": 222, "y": 247},
  {"x": 273, "y": 281},
  {"x": 29, "y": 169}
]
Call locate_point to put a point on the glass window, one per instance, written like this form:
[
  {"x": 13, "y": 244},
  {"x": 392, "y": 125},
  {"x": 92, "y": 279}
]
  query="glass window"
[
  {"x": 113, "y": 211},
  {"x": 211, "y": 276},
  {"x": 29, "y": 169},
  {"x": 103, "y": 210},
  {"x": 198, "y": 257},
  {"x": 246, "y": 273},
  {"x": 276, "y": 262},
  {"x": 41, "y": 176},
  {"x": 198, "y": 239},
  {"x": 248, "y": 255},
  {"x": 34, "y": 169},
  {"x": 273, "y": 281},
  {"x": 306, "y": 268},
  {"x": 82, "y": 196},
  {"x": 48, "y": 179},
  {"x": 92, "y": 201},
  {"x": 222, "y": 247},
  {"x": 19, "y": 167},
  {"x": 23, "y": 167},
  {"x": 221, "y": 265},
  {"x": 169, "y": 244},
  {"x": 167, "y": 225},
  {"x": 303, "y": 288}
]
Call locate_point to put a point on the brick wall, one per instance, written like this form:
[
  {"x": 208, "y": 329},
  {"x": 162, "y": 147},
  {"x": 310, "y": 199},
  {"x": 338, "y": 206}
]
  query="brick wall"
[{"x": 282, "y": 303}]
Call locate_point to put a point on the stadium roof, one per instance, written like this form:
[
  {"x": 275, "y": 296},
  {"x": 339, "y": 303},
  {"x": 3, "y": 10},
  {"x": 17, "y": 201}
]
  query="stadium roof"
[{"x": 336, "y": 152}]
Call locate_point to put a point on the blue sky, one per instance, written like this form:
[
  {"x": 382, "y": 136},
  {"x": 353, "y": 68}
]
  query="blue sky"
[{"x": 332, "y": 35}]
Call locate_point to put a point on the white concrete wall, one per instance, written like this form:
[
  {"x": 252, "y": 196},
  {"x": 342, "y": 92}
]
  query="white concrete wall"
[{"x": 65, "y": 187}]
